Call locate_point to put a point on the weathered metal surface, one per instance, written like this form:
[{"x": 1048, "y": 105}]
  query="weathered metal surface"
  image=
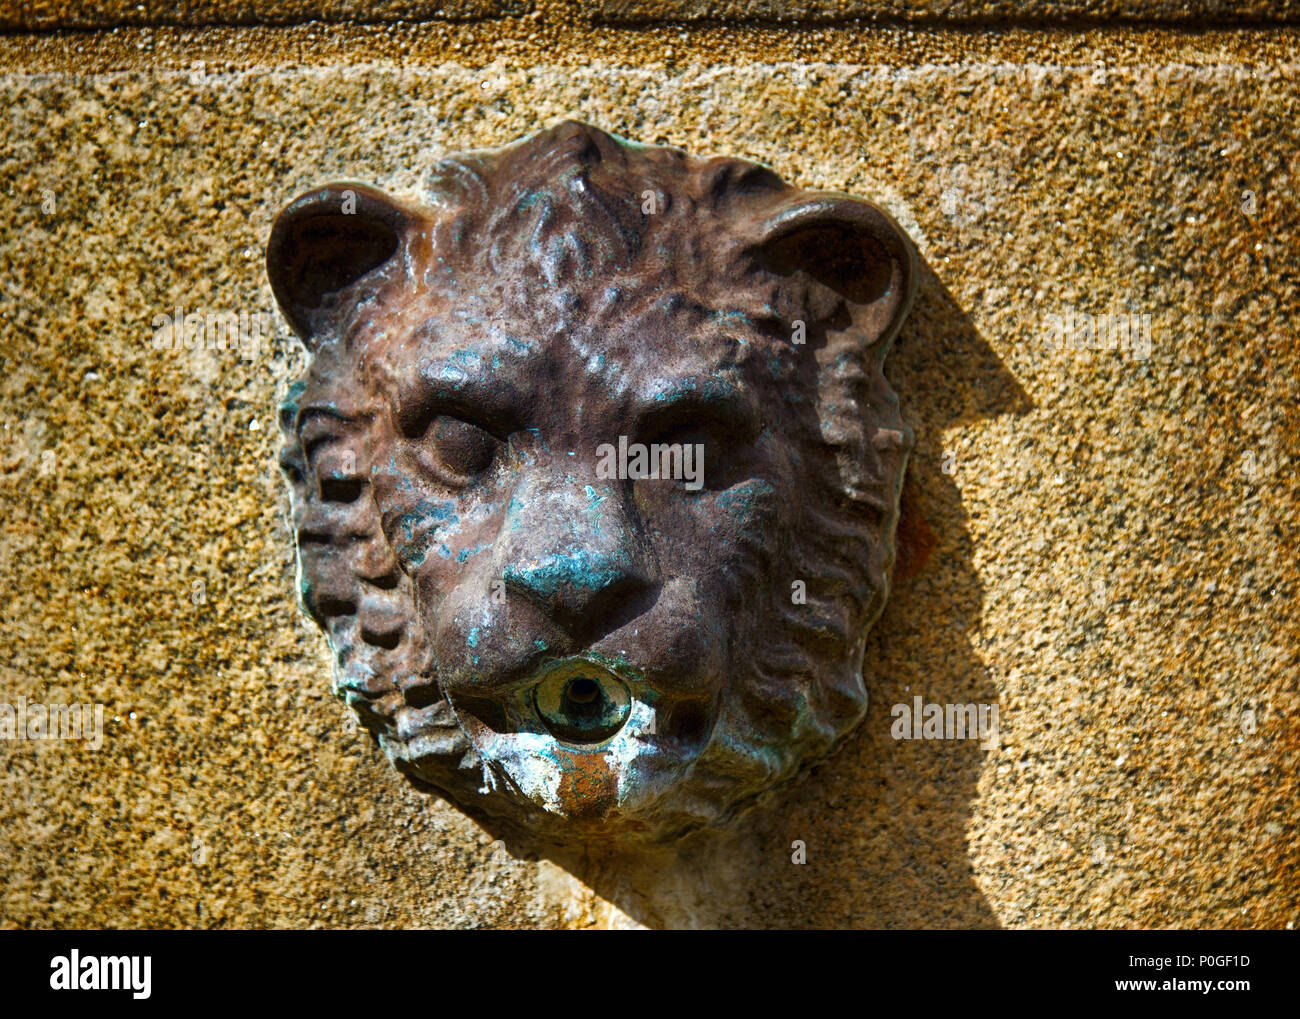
[{"x": 524, "y": 611}]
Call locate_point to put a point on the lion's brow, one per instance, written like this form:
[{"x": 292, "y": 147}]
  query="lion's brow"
[
  {"x": 448, "y": 387},
  {"x": 689, "y": 401}
]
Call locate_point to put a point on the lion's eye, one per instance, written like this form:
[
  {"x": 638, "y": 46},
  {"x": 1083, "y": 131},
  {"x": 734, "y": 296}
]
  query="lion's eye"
[
  {"x": 461, "y": 448},
  {"x": 709, "y": 454}
]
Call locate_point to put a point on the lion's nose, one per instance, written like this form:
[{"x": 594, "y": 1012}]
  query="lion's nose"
[
  {"x": 574, "y": 553},
  {"x": 573, "y": 584}
]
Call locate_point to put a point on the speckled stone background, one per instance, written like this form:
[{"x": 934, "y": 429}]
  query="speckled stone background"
[
  {"x": 955, "y": 11},
  {"x": 1114, "y": 539},
  {"x": 30, "y": 14}
]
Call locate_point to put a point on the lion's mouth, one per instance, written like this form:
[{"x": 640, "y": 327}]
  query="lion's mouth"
[{"x": 580, "y": 701}]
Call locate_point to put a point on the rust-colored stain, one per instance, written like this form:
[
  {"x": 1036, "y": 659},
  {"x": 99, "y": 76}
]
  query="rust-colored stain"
[
  {"x": 915, "y": 538},
  {"x": 588, "y": 784}
]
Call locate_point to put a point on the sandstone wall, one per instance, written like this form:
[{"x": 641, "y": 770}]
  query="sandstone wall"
[{"x": 1114, "y": 537}]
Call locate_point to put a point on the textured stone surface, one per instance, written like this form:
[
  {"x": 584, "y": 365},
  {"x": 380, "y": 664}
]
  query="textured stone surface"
[
  {"x": 950, "y": 11},
  {"x": 1113, "y": 540},
  {"x": 47, "y": 14}
]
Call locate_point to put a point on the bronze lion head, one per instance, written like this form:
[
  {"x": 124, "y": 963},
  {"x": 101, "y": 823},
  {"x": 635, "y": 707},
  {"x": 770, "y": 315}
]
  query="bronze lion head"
[{"x": 595, "y": 472}]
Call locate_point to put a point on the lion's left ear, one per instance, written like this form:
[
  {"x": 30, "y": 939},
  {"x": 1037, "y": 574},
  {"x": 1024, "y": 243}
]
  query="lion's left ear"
[
  {"x": 851, "y": 247},
  {"x": 327, "y": 239}
]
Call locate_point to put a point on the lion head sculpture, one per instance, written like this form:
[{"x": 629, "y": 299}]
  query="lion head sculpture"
[{"x": 595, "y": 473}]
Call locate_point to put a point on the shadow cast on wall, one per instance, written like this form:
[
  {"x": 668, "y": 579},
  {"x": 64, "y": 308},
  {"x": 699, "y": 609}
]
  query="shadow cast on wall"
[{"x": 883, "y": 823}]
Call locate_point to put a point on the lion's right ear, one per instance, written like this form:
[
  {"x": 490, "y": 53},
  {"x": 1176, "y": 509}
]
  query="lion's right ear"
[
  {"x": 326, "y": 240},
  {"x": 852, "y": 249}
]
